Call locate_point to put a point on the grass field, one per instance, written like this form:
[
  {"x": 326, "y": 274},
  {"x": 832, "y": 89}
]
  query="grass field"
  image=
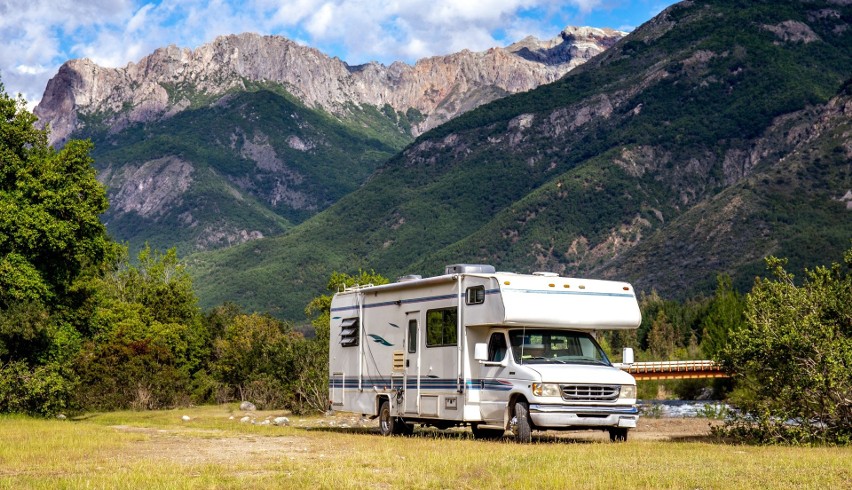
[{"x": 159, "y": 450}]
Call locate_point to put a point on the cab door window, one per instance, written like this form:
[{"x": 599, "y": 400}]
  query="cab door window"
[{"x": 497, "y": 347}]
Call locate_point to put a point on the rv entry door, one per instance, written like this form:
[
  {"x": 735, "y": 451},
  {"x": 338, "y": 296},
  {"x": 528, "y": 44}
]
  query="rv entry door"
[{"x": 412, "y": 363}]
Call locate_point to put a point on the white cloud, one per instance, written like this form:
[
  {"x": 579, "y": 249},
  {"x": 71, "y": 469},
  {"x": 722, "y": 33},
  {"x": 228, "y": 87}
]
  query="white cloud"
[
  {"x": 139, "y": 18},
  {"x": 586, "y": 6},
  {"x": 30, "y": 70},
  {"x": 321, "y": 21}
]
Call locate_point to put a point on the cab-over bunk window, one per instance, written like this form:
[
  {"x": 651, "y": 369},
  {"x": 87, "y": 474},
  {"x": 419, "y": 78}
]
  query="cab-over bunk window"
[
  {"x": 441, "y": 327},
  {"x": 475, "y": 295}
]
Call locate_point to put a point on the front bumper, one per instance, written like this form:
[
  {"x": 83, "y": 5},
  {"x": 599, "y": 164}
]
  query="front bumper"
[{"x": 577, "y": 416}]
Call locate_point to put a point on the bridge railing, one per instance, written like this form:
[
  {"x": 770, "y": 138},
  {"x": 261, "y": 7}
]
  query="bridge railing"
[{"x": 674, "y": 370}]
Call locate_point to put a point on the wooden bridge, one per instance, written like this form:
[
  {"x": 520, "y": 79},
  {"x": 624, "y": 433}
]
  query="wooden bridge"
[{"x": 644, "y": 371}]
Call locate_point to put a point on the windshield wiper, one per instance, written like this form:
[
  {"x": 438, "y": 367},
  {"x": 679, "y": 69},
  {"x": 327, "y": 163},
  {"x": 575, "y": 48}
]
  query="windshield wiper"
[{"x": 548, "y": 359}]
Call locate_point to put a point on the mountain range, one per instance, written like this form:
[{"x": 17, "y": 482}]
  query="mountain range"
[
  {"x": 715, "y": 134},
  {"x": 243, "y": 137}
]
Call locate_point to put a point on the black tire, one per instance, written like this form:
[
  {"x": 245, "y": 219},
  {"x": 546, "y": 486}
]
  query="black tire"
[
  {"x": 618, "y": 435},
  {"x": 522, "y": 428},
  {"x": 482, "y": 433},
  {"x": 387, "y": 424}
]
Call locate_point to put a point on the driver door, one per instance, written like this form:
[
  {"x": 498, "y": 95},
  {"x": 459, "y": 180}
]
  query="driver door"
[{"x": 494, "y": 383}]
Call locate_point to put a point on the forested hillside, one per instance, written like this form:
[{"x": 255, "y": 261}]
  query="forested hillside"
[
  {"x": 711, "y": 136},
  {"x": 244, "y": 168}
]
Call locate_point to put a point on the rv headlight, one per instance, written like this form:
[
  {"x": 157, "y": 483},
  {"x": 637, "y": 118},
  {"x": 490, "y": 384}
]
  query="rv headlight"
[
  {"x": 546, "y": 389},
  {"x": 627, "y": 391}
]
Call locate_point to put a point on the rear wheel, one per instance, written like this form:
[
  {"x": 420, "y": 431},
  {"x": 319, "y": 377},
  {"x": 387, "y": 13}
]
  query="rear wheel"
[
  {"x": 387, "y": 423},
  {"x": 482, "y": 433},
  {"x": 522, "y": 427},
  {"x": 618, "y": 435}
]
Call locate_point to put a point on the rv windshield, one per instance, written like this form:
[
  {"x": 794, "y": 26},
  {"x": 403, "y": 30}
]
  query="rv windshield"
[{"x": 537, "y": 346}]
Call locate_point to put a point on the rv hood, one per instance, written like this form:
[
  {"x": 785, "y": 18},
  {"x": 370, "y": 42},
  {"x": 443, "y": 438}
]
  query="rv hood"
[{"x": 581, "y": 373}]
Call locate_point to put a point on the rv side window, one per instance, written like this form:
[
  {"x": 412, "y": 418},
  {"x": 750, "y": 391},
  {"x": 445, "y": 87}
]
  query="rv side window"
[
  {"x": 475, "y": 295},
  {"x": 441, "y": 327},
  {"x": 349, "y": 332},
  {"x": 412, "y": 336}
]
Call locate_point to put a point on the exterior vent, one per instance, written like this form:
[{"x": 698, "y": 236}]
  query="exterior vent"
[
  {"x": 349, "y": 332},
  {"x": 410, "y": 277},
  {"x": 398, "y": 361},
  {"x": 469, "y": 269}
]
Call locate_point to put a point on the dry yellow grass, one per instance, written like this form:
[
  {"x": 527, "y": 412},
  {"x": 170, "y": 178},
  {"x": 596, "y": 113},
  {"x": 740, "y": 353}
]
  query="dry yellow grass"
[{"x": 158, "y": 450}]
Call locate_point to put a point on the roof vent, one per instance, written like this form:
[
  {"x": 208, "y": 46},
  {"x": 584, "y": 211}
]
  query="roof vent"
[
  {"x": 410, "y": 277},
  {"x": 469, "y": 269},
  {"x": 545, "y": 274}
]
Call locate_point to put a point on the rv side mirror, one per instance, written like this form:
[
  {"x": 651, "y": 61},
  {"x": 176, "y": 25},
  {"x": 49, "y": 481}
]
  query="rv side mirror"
[
  {"x": 480, "y": 351},
  {"x": 627, "y": 355}
]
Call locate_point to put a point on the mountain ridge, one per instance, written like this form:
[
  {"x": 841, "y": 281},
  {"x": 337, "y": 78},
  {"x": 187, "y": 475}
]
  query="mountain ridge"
[{"x": 166, "y": 82}]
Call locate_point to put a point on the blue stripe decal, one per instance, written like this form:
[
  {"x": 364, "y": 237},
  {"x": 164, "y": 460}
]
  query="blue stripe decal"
[
  {"x": 379, "y": 340},
  {"x": 428, "y": 384}
]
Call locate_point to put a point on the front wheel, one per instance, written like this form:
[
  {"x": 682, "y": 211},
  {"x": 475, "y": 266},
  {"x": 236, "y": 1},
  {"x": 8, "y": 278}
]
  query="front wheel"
[
  {"x": 618, "y": 435},
  {"x": 522, "y": 427}
]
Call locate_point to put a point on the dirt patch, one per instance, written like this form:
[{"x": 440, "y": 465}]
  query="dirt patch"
[
  {"x": 673, "y": 428},
  {"x": 198, "y": 446}
]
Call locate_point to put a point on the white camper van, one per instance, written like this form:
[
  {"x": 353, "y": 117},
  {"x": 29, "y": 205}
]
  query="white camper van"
[{"x": 494, "y": 350}]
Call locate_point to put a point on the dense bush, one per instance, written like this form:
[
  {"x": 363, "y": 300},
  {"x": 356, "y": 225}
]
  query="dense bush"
[
  {"x": 263, "y": 360},
  {"x": 148, "y": 339},
  {"x": 793, "y": 357},
  {"x": 248, "y": 356},
  {"x": 42, "y": 389}
]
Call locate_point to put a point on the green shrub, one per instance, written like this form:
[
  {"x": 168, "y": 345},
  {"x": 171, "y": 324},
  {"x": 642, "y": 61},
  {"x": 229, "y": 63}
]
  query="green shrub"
[
  {"x": 791, "y": 358},
  {"x": 39, "y": 390}
]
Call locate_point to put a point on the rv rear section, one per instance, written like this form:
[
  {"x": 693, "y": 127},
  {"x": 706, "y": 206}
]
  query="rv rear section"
[{"x": 495, "y": 351}]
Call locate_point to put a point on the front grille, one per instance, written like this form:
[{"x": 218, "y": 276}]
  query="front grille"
[{"x": 590, "y": 393}]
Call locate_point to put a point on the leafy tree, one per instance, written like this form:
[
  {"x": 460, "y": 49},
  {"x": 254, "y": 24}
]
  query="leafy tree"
[
  {"x": 50, "y": 203},
  {"x": 52, "y": 243},
  {"x": 661, "y": 338},
  {"x": 792, "y": 357},
  {"x": 725, "y": 313}
]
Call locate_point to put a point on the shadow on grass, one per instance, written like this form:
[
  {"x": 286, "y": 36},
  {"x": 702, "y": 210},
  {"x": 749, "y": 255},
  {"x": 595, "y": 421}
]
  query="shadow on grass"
[{"x": 452, "y": 434}]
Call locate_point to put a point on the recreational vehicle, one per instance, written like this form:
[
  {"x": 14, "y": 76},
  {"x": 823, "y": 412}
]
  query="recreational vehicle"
[{"x": 493, "y": 350}]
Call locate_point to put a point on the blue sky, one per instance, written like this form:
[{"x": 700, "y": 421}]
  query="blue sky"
[{"x": 39, "y": 35}]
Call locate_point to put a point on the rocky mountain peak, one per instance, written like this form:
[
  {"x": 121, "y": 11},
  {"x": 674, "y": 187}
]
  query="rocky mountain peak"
[{"x": 172, "y": 79}]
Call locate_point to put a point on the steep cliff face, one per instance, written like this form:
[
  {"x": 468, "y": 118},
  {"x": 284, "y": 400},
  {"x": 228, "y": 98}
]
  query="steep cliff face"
[{"x": 173, "y": 79}]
